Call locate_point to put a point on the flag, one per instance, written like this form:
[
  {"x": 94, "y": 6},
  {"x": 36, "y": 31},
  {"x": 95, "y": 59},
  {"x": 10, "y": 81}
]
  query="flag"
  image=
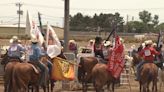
[
  {"x": 159, "y": 41},
  {"x": 33, "y": 30},
  {"x": 36, "y": 33},
  {"x": 28, "y": 24},
  {"x": 53, "y": 43},
  {"x": 116, "y": 59}
]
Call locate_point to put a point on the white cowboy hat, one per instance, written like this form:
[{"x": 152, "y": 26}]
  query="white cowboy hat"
[
  {"x": 91, "y": 40},
  {"x": 34, "y": 40},
  {"x": 154, "y": 44},
  {"x": 13, "y": 39},
  {"x": 133, "y": 46},
  {"x": 71, "y": 41},
  {"x": 107, "y": 43},
  {"x": 148, "y": 42}
]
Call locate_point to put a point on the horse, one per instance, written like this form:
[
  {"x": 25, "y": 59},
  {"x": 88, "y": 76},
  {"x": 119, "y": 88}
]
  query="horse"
[
  {"x": 8, "y": 68},
  {"x": 148, "y": 74},
  {"x": 102, "y": 77},
  {"x": 86, "y": 65},
  {"x": 136, "y": 60},
  {"x": 161, "y": 78},
  {"x": 25, "y": 74}
]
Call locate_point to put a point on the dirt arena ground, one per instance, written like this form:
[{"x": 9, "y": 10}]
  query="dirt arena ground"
[{"x": 132, "y": 87}]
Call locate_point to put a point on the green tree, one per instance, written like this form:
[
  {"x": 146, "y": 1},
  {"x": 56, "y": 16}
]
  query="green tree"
[
  {"x": 145, "y": 16},
  {"x": 155, "y": 20},
  {"x": 135, "y": 27}
]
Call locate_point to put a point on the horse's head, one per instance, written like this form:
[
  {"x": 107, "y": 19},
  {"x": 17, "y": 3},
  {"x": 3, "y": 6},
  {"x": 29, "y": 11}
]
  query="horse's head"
[
  {"x": 5, "y": 58},
  {"x": 136, "y": 58}
]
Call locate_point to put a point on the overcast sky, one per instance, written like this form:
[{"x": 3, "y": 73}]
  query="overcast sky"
[{"x": 53, "y": 10}]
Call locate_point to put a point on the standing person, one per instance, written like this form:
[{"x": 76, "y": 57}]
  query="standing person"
[
  {"x": 73, "y": 46},
  {"x": 34, "y": 55},
  {"x": 90, "y": 44},
  {"x": 107, "y": 50},
  {"x": 15, "y": 50},
  {"x": 98, "y": 47},
  {"x": 147, "y": 54}
]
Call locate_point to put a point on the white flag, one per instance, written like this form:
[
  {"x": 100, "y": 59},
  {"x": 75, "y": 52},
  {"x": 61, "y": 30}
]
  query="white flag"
[
  {"x": 36, "y": 33},
  {"x": 53, "y": 43},
  {"x": 33, "y": 30},
  {"x": 28, "y": 24}
]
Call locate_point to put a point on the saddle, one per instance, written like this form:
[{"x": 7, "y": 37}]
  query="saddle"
[
  {"x": 35, "y": 67},
  {"x": 15, "y": 59},
  {"x": 101, "y": 60}
]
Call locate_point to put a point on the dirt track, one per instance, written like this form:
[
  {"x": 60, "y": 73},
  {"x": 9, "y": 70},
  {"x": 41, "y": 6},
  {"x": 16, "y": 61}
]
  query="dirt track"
[{"x": 123, "y": 88}]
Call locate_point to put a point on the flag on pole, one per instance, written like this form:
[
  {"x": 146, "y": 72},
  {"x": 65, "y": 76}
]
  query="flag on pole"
[
  {"x": 53, "y": 43},
  {"x": 116, "y": 59},
  {"x": 36, "y": 33},
  {"x": 159, "y": 41},
  {"x": 28, "y": 24},
  {"x": 33, "y": 30}
]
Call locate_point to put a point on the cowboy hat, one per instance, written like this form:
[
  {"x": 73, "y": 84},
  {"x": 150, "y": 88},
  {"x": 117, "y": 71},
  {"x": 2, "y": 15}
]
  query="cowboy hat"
[
  {"x": 107, "y": 43},
  {"x": 148, "y": 42},
  {"x": 71, "y": 41},
  {"x": 34, "y": 40},
  {"x": 13, "y": 39}
]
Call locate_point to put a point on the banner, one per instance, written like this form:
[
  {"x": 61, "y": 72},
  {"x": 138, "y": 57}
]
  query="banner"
[
  {"x": 62, "y": 70},
  {"x": 52, "y": 42},
  {"x": 116, "y": 59},
  {"x": 33, "y": 30}
]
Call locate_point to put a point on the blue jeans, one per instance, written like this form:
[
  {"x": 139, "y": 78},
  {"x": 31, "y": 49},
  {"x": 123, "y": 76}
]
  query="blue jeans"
[{"x": 49, "y": 66}]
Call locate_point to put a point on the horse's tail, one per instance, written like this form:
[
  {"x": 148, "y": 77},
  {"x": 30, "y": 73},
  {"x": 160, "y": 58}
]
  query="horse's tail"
[
  {"x": 80, "y": 69},
  {"x": 17, "y": 80}
]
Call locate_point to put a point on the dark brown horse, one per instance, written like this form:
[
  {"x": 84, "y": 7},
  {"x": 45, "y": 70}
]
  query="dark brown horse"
[
  {"x": 148, "y": 74},
  {"x": 102, "y": 77},
  {"x": 85, "y": 69},
  {"x": 136, "y": 60}
]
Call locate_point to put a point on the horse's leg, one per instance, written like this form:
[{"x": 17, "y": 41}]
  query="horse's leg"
[
  {"x": 147, "y": 86},
  {"x": 154, "y": 89},
  {"x": 52, "y": 85},
  {"x": 113, "y": 83},
  {"x": 140, "y": 86}
]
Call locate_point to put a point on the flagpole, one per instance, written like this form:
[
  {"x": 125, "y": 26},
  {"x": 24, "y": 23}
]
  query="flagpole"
[{"x": 41, "y": 29}]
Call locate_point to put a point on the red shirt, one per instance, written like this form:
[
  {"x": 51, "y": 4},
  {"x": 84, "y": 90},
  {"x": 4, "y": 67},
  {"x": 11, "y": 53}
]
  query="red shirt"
[{"x": 148, "y": 53}]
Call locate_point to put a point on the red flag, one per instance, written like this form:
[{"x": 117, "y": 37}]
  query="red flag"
[{"x": 116, "y": 59}]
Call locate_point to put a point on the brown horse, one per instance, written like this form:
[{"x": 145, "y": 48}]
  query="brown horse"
[
  {"x": 85, "y": 69},
  {"x": 102, "y": 77},
  {"x": 8, "y": 68},
  {"x": 25, "y": 74},
  {"x": 149, "y": 73}
]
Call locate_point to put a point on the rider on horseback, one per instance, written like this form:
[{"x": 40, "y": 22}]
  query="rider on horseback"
[
  {"x": 147, "y": 54},
  {"x": 98, "y": 47},
  {"x": 34, "y": 57},
  {"x": 15, "y": 50}
]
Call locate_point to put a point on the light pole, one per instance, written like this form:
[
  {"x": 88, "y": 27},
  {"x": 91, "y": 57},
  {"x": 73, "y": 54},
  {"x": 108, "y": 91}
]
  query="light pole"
[
  {"x": 66, "y": 25},
  {"x": 19, "y": 12}
]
